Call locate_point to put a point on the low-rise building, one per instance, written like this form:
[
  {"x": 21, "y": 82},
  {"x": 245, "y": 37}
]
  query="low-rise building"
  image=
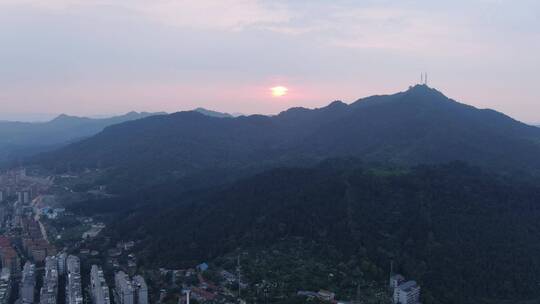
[{"x": 326, "y": 295}]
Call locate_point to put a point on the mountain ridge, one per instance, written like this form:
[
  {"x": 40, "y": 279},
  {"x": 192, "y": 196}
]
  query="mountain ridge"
[
  {"x": 419, "y": 125},
  {"x": 18, "y": 139},
  {"x": 213, "y": 113}
]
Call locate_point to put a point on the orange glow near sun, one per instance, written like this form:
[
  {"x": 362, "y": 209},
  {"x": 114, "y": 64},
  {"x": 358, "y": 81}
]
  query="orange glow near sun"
[{"x": 279, "y": 91}]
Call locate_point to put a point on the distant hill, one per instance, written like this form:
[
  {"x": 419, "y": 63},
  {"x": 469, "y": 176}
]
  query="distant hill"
[
  {"x": 19, "y": 139},
  {"x": 212, "y": 113},
  {"x": 419, "y": 125}
]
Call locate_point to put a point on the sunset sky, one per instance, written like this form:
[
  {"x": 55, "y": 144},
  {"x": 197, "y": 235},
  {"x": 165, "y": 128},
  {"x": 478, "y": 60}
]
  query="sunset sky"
[{"x": 101, "y": 57}]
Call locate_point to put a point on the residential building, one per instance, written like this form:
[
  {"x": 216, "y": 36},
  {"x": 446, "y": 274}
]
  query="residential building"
[
  {"x": 49, "y": 292},
  {"x": 141, "y": 290},
  {"x": 98, "y": 286},
  {"x": 73, "y": 280},
  {"x": 123, "y": 289},
  {"x": 407, "y": 293},
  {"x": 130, "y": 291},
  {"x": 28, "y": 283},
  {"x": 5, "y": 286},
  {"x": 62, "y": 263}
]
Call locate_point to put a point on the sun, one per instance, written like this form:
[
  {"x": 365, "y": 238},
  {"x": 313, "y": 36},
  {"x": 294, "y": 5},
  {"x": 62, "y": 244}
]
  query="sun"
[{"x": 279, "y": 91}]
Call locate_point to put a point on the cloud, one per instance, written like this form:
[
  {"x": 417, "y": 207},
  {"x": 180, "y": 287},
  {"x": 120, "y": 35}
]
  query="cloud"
[
  {"x": 217, "y": 14},
  {"x": 200, "y": 14}
]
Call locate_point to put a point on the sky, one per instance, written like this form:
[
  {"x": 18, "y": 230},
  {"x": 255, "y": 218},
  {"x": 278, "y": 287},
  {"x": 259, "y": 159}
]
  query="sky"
[{"x": 100, "y": 57}]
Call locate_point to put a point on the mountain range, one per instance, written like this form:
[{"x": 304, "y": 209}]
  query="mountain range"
[
  {"x": 20, "y": 139},
  {"x": 419, "y": 125}
]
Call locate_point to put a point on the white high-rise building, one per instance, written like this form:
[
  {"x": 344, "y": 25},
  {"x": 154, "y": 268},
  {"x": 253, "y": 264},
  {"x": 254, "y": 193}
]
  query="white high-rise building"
[
  {"x": 123, "y": 289},
  {"x": 73, "y": 264},
  {"x": 61, "y": 258},
  {"x": 73, "y": 280},
  {"x": 49, "y": 292},
  {"x": 130, "y": 291},
  {"x": 28, "y": 283},
  {"x": 99, "y": 289},
  {"x": 407, "y": 293},
  {"x": 141, "y": 290}
]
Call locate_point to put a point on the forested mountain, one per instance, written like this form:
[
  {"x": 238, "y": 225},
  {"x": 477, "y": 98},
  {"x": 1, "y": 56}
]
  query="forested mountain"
[
  {"x": 468, "y": 236},
  {"x": 419, "y": 125},
  {"x": 18, "y": 139}
]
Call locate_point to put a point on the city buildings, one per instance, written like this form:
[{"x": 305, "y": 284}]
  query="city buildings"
[
  {"x": 23, "y": 197},
  {"x": 73, "y": 280},
  {"x": 33, "y": 240},
  {"x": 5, "y": 286},
  {"x": 28, "y": 283},
  {"x": 3, "y": 215},
  {"x": 37, "y": 248},
  {"x": 9, "y": 257},
  {"x": 98, "y": 287}
]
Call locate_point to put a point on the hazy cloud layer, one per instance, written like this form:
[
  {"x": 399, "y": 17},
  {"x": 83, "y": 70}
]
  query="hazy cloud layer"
[{"x": 109, "y": 56}]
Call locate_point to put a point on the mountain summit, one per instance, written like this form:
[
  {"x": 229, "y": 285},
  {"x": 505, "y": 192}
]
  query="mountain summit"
[{"x": 419, "y": 125}]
